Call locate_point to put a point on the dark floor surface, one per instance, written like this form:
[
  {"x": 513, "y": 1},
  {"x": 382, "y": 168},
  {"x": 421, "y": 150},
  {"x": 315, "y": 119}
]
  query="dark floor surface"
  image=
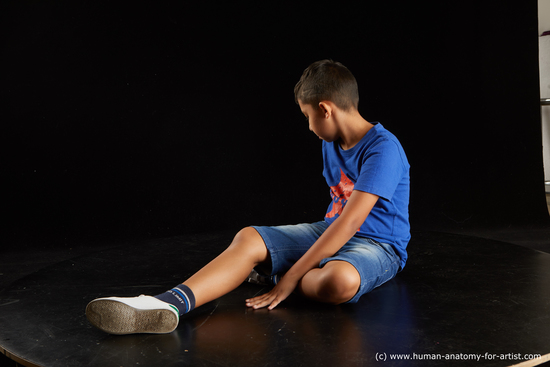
[{"x": 458, "y": 294}]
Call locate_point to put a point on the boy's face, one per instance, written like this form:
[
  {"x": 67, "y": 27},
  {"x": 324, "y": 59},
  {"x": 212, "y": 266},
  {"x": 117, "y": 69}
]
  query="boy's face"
[{"x": 319, "y": 123}]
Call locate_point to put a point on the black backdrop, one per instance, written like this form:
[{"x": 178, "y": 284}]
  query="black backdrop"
[{"x": 131, "y": 119}]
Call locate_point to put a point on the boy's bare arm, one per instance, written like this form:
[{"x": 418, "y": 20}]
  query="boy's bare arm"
[{"x": 337, "y": 235}]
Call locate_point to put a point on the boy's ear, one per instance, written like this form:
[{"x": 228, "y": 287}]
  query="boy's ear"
[{"x": 326, "y": 108}]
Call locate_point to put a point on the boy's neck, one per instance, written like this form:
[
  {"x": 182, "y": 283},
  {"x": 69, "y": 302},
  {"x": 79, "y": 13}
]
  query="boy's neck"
[{"x": 352, "y": 128}]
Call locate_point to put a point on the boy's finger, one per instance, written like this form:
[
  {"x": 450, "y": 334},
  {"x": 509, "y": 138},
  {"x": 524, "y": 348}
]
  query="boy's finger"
[
  {"x": 261, "y": 297},
  {"x": 273, "y": 304},
  {"x": 260, "y": 301},
  {"x": 264, "y": 303}
]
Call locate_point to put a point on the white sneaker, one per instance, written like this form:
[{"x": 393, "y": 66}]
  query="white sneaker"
[{"x": 131, "y": 315}]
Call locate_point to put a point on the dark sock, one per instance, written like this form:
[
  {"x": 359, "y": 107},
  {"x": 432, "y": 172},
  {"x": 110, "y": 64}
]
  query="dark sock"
[{"x": 181, "y": 296}]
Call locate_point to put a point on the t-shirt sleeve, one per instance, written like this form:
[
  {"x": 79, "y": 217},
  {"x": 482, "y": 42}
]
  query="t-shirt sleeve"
[{"x": 381, "y": 170}]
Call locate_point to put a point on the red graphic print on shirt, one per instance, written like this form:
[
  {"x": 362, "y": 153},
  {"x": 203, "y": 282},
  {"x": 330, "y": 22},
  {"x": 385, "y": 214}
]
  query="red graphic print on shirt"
[{"x": 340, "y": 195}]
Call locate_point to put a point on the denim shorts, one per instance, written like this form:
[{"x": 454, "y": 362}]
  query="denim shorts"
[{"x": 376, "y": 262}]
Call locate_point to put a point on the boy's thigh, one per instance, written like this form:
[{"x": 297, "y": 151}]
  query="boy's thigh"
[
  {"x": 375, "y": 262},
  {"x": 287, "y": 244}
]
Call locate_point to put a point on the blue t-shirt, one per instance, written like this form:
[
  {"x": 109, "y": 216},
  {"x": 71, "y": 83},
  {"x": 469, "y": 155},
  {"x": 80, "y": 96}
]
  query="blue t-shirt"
[{"x": 377, "y": 165}]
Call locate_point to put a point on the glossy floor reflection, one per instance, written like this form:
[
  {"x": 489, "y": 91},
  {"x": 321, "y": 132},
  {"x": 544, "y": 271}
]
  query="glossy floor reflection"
[{"x": 457, "y": 296}]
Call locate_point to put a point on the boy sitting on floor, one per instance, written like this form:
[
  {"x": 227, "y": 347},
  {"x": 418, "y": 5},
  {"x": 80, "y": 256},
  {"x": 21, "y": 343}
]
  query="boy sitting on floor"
[{"x": 360, "y": 244}]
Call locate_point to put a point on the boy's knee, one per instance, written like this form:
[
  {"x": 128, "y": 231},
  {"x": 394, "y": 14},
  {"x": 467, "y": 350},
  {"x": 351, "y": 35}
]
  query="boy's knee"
[
  {"x": 247, "y": 234},
  {"x": 340, "y": 284},
  {"x": 250, "y": 240}
]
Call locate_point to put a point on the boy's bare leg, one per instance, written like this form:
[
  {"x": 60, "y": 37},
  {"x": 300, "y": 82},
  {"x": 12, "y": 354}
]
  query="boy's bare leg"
[
  {"x": 161, "y": 313},
  {"x": 337, "y": 282},
  {"x": 227, "y": 271}
]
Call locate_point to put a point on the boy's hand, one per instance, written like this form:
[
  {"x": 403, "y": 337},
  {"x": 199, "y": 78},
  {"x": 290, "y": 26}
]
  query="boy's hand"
[{"x": 278, "y": 294}]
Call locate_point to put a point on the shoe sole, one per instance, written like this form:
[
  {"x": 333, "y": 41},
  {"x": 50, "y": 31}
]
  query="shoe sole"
[{"x": 118, "y": 318}]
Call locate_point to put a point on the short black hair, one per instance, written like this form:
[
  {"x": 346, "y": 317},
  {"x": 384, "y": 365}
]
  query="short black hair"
[{"x": 328, "y": 80}]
